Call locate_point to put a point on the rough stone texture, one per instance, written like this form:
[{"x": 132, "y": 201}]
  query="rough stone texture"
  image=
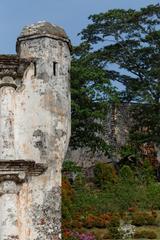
[
  {"x": 13, "y": 67},
  {"x": 116, "y": 128},
  {"x": 43, "y": 27},
  {"x": 116, "y": 132},
  {"x": 35, "y": 131},
  {"x": 44, "y": 223}
]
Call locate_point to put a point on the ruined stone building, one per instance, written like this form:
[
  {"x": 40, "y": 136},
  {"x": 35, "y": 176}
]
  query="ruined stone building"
[
  {"x": 117, "y": 125},
  {"x": 116, "y": 128},
  {"x": 34, "y": 133}
]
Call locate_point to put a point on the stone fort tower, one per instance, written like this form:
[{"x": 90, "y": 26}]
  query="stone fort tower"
[{"x": 34, "y": 133}]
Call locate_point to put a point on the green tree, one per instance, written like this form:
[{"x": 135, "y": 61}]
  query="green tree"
[
  {"x": 127, "y": 44},
  {"x": 91, "y": 92}
]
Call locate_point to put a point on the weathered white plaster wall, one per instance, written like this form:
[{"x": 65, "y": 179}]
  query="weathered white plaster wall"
[
  {"x": 7, "y": 106},
  {"x": 38, "y": 112}
]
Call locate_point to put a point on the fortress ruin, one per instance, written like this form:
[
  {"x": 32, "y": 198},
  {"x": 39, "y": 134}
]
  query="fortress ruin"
[{"x": 34, "y": 133}]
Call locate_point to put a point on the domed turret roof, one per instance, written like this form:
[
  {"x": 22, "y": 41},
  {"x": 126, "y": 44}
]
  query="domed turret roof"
[{"x": 43, "y": 28}]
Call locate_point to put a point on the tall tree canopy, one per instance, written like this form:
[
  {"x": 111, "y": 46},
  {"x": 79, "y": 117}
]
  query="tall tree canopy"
[
  {"x": 131, "y": 40},
  {"x": 125, "y": 46},
  {"x": 91, "y": 92}
]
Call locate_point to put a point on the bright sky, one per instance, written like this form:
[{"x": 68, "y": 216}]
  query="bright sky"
[{"x": 72, "y": 15}]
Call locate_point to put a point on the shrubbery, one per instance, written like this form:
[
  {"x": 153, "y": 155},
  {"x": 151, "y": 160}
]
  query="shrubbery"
[
  {"x": 74, "y": 235},
  {"x": 69, "y": 166},
  {"x": 113, "y": 198},
  {"x": 67, "y": 198},
  {"x": 145, "y": 234},
  {"x": 143, "y": 218},
  {"x": 100, "y": 221},
  {"x": 104, "y": 174},
  {"x": 126, "y": 174},
  {"x": 113, "y": 227}
]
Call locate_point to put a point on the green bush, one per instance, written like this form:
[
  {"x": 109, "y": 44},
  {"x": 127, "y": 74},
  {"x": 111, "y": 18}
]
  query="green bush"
[
  {"x": 115, "y": 195},
  {"x": 80, "y": 181},
  {"x": 126, "y": 174},
  {"x": 69, "y": 166},
  {"x": 128, "y": 150},
  {"x": 145, "y": 234},
  {"x": 153, "y": 195},
  {"x": 143, "y": 218},
  {"x": 113, "y": 227},
  {"x": 104, "y": 173},
  {"x": 124, "y": 195},
  {"x": 146, "y": 173}
]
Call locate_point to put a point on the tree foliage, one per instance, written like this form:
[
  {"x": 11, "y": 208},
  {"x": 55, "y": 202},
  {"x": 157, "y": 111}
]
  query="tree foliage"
[
  {"x": 126, "y": 45},
  {"x": 91, "y": 92}
]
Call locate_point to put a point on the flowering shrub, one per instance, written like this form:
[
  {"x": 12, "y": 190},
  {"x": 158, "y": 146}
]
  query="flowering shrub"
[
  {"x": 100, "y": 221},
  {"x": 106, "y": 216},
  {"x": 90, "y": 221},
  {"x": 67, "y": 190},
  {"x": 86, "y": 208},
  {"x": 143, "y": 218},
  {"x": 84, "y": 236},
  {"x": 126, "y": 230},
  {"x": 67, "y": 235},
  {"x": 71, "y": 235},
  {"x": 103, "y": 220},
  {"x": 67, "y": 198}
]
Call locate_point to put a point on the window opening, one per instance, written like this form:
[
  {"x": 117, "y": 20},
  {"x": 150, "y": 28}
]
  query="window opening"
[
  {"x": 54, "y": 68},
  {"x": 35, "y": 69}
]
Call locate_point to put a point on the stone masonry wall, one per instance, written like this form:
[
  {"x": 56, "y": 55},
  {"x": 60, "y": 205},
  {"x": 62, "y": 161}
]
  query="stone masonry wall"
[
  {"x": 116, "y": 128},
  {"x": 34, "y": 133}
]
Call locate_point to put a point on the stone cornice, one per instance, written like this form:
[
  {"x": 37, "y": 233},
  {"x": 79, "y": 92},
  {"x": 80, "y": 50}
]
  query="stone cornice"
[
  {"x": 13, "y": 66},
  {"x": 19, "y": 170},
  {"x": 32, "y": 36}
]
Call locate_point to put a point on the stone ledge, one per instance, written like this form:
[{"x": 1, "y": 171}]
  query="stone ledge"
[
  {"x": 31, "y": 37},
  {"x": 12, "y": 65},
  {"x": 18, "y": 170}
]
